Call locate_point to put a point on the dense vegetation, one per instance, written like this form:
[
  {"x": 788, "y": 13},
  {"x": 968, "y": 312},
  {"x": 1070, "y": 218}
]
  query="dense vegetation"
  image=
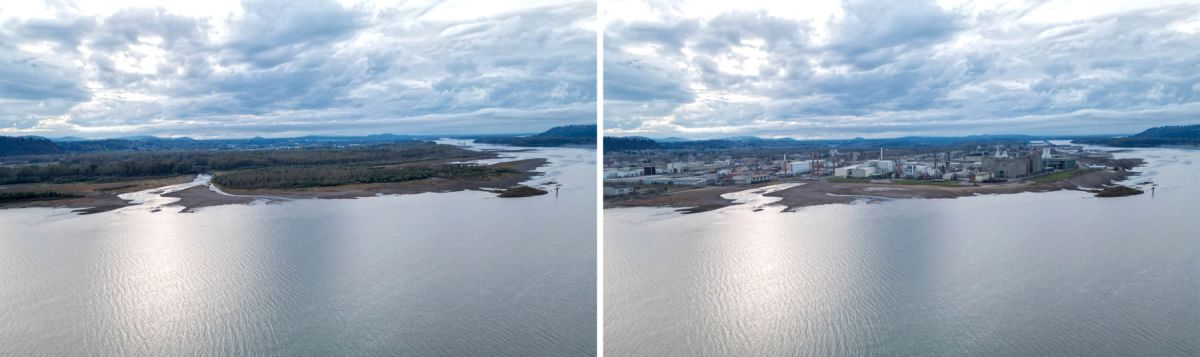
[
  {"x": 27, "y": 145},
  {"x": 1166, "y": 135},
  {"x": 557, "y": 136},
  {"x": 629, "y": 143},
  {"x": 6, "y": 197},
  {"x": 522, "y": 191},
  {"x": 1118, "y": 191},
  {"x": 17, "y": 146},
  {"x": 120, "y": 165},
  {"x": 301, "y": 177}
]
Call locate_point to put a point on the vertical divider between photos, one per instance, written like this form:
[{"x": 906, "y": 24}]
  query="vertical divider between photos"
[{"x": 599, "y": 177}]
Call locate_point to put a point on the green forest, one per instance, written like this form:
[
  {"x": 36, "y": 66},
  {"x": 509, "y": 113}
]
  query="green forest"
[
  {"x": 6, "y": 197},
  {"x": 301, "y": 177}
]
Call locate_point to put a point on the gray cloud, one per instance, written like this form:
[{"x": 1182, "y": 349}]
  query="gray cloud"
[
  {"x": 288, "y": 68},
  {"x": 910, "y": 68}
]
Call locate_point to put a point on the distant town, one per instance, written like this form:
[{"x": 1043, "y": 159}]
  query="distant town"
[
  {"x": 981, "y": 165},
  {"x": 640, "y": 175}
]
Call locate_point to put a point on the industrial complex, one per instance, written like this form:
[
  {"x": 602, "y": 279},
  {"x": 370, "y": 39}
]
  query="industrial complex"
[{"x": 651, "y": 173}]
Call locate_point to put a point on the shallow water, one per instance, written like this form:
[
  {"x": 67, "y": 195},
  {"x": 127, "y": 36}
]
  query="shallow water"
[
  {"x": 1059, "y": 273},
  {"x": 461, "y": 273}
]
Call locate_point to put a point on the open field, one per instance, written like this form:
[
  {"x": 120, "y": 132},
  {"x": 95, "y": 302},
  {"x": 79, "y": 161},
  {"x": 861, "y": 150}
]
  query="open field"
[{"x": 1062, "y": 175}]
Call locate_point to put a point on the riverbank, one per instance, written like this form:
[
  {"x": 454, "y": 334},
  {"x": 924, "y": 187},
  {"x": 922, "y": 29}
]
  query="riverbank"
[
  {"x": 824, "y": 191},
  {"x": 103, "y": 197},
  {"x": 700, "y": 199},
  {"x": 93, "y": 197}
]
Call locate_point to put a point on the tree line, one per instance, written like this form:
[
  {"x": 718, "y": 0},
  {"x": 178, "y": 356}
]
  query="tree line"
[
  {"x": 31, "y": 196},
  {"x": 118, "y": 165},
  {"x": 319, "y": 176}
]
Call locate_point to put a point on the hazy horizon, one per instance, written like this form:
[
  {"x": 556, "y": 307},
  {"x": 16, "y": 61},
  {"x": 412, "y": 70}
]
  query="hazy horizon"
[
  {"x": 277, "y": 136},
  {"x": 895, "y": 137}
]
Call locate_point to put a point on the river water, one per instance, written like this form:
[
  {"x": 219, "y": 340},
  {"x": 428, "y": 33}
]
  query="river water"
[
  {"x": 1031, "y": 274},
  {"x": 461, "y": 273}
]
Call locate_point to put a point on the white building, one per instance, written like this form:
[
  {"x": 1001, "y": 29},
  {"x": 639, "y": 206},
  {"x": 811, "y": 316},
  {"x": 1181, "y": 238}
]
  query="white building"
[
  {"x": 918, "y": 170},
  {"x": 617, "y": 191},
  {"x": 683, "y": 166},
  {"x": 798, "y": 167},
  {"x": 862, "y": 172},
  {"x": 622, "y": 173},
  {"x": 884, "y": 166}
]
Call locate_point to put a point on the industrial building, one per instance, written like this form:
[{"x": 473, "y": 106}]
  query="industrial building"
[
  {"x": 867, "y": 169},
  {"x": 1059, "y": 163},
  {"x": 798, "y": 167},
  {"x": 1001, "y": 165},
  {"x": 617, "y": 191}
]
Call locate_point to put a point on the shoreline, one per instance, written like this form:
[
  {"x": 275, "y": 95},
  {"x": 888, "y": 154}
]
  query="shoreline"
[
  {"x": 822, "y": 191},
  {"x": 526, "y": 170},
  {"x": 103, "y": 197},
  {"x": 94, "y": 197}
]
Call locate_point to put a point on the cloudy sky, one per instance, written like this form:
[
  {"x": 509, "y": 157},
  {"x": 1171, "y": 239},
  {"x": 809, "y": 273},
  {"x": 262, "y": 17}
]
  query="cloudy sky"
[
  {"x": 814, "y": 69},
  {"x": 222, "y": 68}
]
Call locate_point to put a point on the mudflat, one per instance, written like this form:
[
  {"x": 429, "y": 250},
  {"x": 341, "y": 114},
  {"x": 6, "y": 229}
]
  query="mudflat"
[
  {"x": 695, "y": 200},
  {"x": 94, "y": 197}
]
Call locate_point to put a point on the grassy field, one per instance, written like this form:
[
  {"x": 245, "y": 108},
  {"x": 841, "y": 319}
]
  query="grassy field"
[
  {"x": 927, "y": 183},
  {"x": 894, "y": 181},
  {"x": 1062, "y": 175},
  {"x": 848, "y": 180}
]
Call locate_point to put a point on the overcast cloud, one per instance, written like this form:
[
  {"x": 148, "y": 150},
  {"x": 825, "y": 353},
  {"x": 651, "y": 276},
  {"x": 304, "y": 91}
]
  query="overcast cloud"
[
  {"x": 894, "y": 68},
  {"x": 284, "y": 68}
]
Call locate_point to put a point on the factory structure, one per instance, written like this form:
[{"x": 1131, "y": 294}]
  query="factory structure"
[{"x": 1003, "y": 165}]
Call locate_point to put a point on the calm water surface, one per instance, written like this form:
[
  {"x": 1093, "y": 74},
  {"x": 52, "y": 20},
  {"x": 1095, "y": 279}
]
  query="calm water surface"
[
  {"x": 460, "y": 273},
  {"x": 1030, "y": 274}
]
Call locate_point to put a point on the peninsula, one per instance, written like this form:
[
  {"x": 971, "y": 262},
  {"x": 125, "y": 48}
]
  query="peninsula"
[{"x": 92, "y": 175}]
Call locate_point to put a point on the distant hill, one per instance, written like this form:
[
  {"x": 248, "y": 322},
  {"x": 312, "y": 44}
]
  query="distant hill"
[
  {"x": 557, "y": 136},
  {"x": 630, "y": 143},
  {"x": 1163, "y": 135},
  {"x": 570, "y": 131},
  {"x": 27, "y": 145},
  {"x": 16, "y": 146},
  {"x": 755, "y": 143}
]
